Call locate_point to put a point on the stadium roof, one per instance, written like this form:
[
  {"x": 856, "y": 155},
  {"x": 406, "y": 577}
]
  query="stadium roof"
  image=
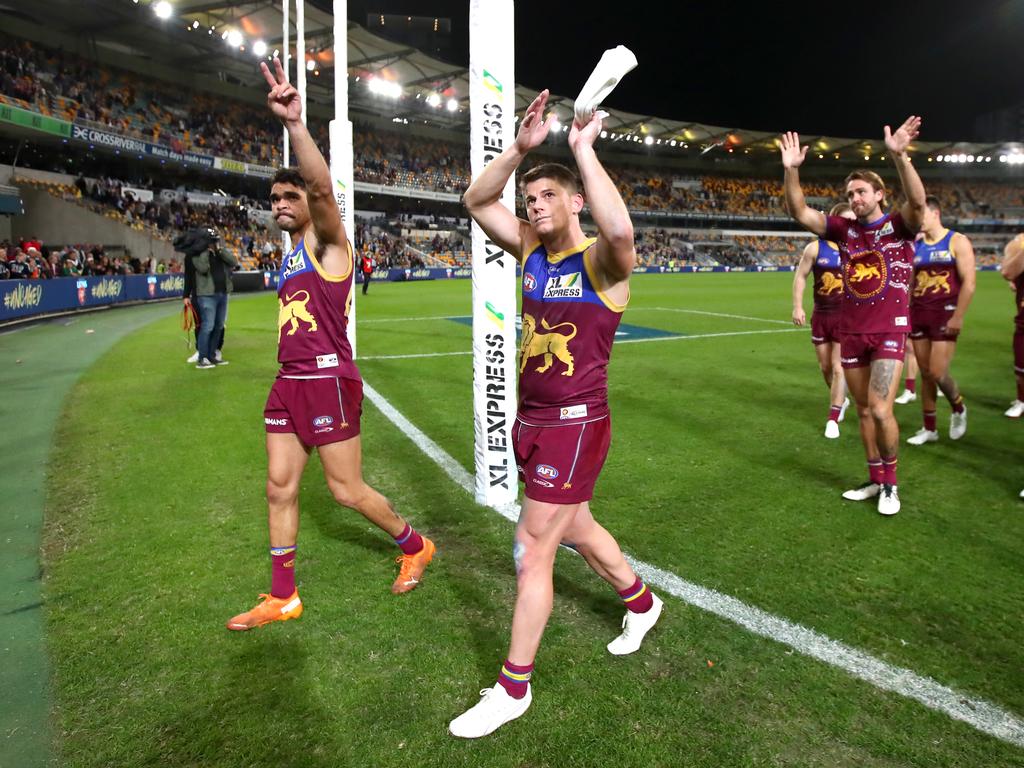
[{"x": 193, "y": 38}]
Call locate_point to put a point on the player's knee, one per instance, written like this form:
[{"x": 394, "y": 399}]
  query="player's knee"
[
  {"x": 347, "y": 494},
  {"x": 880, "y": 410},
  {"x": 281, "y": 492}
]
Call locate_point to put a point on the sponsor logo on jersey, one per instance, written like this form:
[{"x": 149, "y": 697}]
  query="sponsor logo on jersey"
[
  {"x": 296, "y": 263},
  {"x": 890, "y": 344},
  {"x": 941, "y": 256},
  {"x": 564, "y": 287},
  {"x": 322, "y": 421},
  {"x": 545, "y": 483},
  {"x": 573, "y": 412},
  {"x": 852, "y": 233},
  {"x": 886, "y": 230},
  {"x": 529, "y": 282},
  {"x": 850, "y": 360},
  {"x": 276, "y": 422},
  {"x": 546, "y": 470},
  {"x": 327, "y": 361},
  {"x": 900, "y": 321}
]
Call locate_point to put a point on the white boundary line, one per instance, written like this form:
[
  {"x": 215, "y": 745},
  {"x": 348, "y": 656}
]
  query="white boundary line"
[
  {"x": 710, "y": 314},
  {"x": 621, "y": 341},
  {"x": 978, "y": 713}
]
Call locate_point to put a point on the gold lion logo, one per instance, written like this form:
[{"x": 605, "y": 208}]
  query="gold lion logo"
[
  {"x": 936, "y": 283},
  {"x": 552, "y": 344},
  {"x": 292, "y": 312},
  {"x": 830, "y": 284},
  {"x": 863, "y": 272}
]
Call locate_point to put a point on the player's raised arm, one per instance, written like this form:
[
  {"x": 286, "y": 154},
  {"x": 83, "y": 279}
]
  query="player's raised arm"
[
  {"x": 286, "y": 105},
  {"x": 803, "y": 269},
  {"x": 614, "y": 253},
  {"x": 897, "y": 143},
  {"x": 1013, "y": 259},
  {"x": 792, "y": 157},
  {"x": 483, "y": 197}
]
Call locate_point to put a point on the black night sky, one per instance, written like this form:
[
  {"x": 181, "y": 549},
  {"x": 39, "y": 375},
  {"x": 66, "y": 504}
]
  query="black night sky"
[{"x": 772, "y": 66}]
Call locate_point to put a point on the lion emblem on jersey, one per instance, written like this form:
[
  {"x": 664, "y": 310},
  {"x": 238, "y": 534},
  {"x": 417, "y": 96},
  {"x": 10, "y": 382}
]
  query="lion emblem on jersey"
[
  {"x": 292, "y": 311},
  {"x": 937, "y": 282},
  {"x": 866, "y": 274},
  {"x": 551, "y": 344},
  {"x": 830, "y": 283}
]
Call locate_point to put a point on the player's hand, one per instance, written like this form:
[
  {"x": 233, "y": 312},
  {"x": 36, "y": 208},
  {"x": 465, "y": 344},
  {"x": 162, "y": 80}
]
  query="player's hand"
[
  {"x": 792, "y": 153},
  {"x": 899, "y": 141},
  {"x": 283, "y": 99},
  {"x": 585, "y": 135},
  {"x": 534, "y": 128},
  {"x": 188, "y": 302},
  {"x": 954, "y": 325},
  {"x": 799, "y": 316}
]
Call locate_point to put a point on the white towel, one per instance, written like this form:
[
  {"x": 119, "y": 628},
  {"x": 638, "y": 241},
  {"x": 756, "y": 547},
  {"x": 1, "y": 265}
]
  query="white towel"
[{"x": 612, "y": 67}]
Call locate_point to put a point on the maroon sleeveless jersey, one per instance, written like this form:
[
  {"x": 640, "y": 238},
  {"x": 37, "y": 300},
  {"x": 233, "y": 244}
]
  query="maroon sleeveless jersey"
[
  {"x": 567, "y": 335},
  {"x": 312, "y": 319},
  {"x": 1018, "y": 319},
  {"x": 877, "y": 266},
  {"x": 828, "y": 278}
]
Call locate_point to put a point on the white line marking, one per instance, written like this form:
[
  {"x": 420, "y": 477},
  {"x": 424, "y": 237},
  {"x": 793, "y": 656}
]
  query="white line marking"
[
  {"x": 410, "y": 319},
  {"x": 710, "y": 314},
  {"x": 978, "y": 713},
  {"x": 620, "y": 341}
]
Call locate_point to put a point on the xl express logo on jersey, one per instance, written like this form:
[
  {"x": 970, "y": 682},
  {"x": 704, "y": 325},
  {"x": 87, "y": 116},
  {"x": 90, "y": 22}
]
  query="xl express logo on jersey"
[
  {"x": 866, "y": 274},
  {"x": 296, "y": 263},
  {"x": 564, "y": 287}
]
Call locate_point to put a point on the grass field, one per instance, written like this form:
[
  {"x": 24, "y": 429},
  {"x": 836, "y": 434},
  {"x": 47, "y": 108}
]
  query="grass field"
[{"x": 155, "y": 535}]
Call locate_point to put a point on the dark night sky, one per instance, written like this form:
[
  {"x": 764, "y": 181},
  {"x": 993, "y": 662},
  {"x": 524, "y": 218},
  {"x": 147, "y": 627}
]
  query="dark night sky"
[{"x": 772, "y": 66}]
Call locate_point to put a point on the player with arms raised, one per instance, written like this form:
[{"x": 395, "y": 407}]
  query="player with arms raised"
[
  {"x": 575, "y": 289},
  {"x": 877, "y": 256},
  {"x": 316, "y": 400}
]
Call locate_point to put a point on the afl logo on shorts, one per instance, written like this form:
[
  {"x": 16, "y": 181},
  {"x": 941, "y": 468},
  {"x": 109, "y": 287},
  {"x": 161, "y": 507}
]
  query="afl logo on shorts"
[
  {"x": 322, "y": 421},
  {"x": 529, "y": 282},
  {"x": 866, "y": 274},
  {"x": 546, "y": 470}
]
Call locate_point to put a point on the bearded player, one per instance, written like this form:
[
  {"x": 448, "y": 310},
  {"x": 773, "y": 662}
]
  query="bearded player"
[
  {"x": 820, "y": 258},
  {"x": 575, "y": 289},
  {"x": 316, "y": 400},
  {"x": 877, "y": 253}
]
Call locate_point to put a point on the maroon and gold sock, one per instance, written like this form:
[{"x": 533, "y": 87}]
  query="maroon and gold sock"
[
  {"x": 282, "y": 571},
  {"x": 889, "y": 469},
  {"x": 875, "y": 471},
  {"x": 833, "y": 412},
  {"x": 911, "y": 384},
  {"x": 638, "y": 597},
  {"x": 515, "y": 678},
  {"x": 409, "y": 541},
  {"x": 958, "y": 404},
  {"x": 929, "y": 420}
]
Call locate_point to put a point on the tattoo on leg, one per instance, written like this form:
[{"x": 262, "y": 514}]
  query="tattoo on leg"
[
  {"x": 518, "y": 553},
  {"x": 882, "y": 374},
  {"x": 949, "y": 388}
]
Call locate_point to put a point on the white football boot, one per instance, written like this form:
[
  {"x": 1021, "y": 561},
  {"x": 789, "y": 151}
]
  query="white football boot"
[
  {"x": 494, "y": 709},
  {"x": 958, "y": 424},
  {"x": 923, "y": 436},
  {"x": 906, "y": 397},
  {"x": 831, "y": 429},
  {"x": 888, "y": 500},
  {"x": 635, "y": 627},
  {"x": 862, "y": 492}
]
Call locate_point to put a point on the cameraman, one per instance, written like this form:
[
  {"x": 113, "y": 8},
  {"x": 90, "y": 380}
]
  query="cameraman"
[{"x": 210, "y": 268}]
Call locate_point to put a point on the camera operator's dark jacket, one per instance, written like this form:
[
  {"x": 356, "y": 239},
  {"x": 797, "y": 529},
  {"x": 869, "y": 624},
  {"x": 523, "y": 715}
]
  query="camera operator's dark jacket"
[{"x": 213, "y": 271}]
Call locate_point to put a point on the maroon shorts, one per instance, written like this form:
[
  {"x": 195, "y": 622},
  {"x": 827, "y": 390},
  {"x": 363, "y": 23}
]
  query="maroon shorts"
[
  {"x": 1018, "y": 352},
  {"x": 559, "y": 463},
  {"x": 930, "y": 323},
  {"x": 857, "y": 350},
  {"x": 824, "y": 327},
  {"x": 319, "y": 411}
]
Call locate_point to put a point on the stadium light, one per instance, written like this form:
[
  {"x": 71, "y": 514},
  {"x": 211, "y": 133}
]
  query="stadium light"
[
  {"x": 195, "y": 24},
  {"x": 604, "y": 134},
  {"x": 452, "y": 105},
  {"x": 556, "y": 124},
  {"x": 310, "y": 65},
  {"x": 259, "y": 48},
  {"x": 970, "y": 158},
  {"x": 434, "y": 100},
  {"x": 649, "y": 140},
  {"x": 672, "y": 143},
  {"x": 163, "y": 10}
]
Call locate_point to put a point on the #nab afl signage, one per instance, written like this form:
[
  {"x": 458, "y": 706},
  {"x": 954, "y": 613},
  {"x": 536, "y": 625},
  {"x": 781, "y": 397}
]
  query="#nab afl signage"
[{"x": 866, "y": 274}]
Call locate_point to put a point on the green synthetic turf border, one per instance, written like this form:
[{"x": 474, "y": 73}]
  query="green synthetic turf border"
[{"x": 40, "y": 365}]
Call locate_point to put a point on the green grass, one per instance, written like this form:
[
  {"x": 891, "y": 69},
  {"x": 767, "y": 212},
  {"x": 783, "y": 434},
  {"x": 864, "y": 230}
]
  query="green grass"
[{"x": 156, "y": 534}]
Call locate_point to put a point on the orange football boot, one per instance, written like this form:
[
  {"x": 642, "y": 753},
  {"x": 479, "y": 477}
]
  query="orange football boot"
[
  {"x": 413, "y": 567},
  {"x": 271, "y": 609}
]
